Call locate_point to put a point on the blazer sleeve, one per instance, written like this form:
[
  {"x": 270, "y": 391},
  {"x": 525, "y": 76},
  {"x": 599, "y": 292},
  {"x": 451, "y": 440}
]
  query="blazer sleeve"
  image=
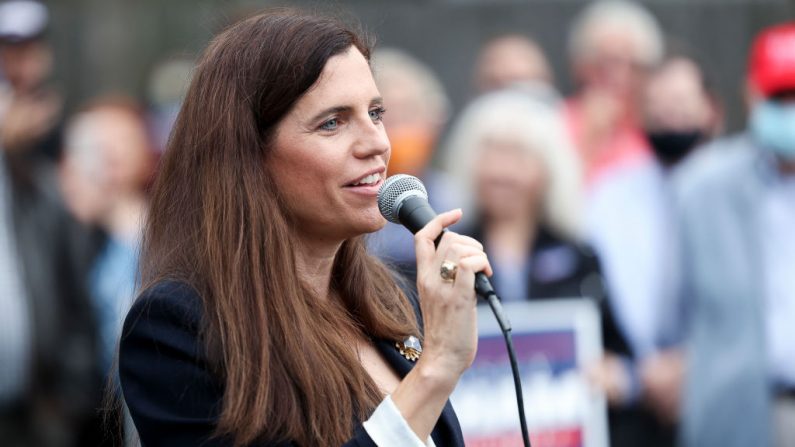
[{"x": 172, "y": 394}]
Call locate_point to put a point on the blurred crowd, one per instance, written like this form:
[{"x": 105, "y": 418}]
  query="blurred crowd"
[{"x": 626, "y": 193}]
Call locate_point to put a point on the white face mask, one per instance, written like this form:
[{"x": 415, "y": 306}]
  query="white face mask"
[{"x": 773, "y": 127}]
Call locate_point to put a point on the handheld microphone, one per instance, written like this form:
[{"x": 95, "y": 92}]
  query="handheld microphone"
[{"x": 403, "y": 199}]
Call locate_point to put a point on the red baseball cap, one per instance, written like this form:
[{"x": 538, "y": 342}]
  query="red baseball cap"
[{"x": 772, "y": 62}]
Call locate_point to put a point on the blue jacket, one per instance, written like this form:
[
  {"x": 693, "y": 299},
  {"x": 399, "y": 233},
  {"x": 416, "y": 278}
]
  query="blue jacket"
[{"x": 171, "y": 391}]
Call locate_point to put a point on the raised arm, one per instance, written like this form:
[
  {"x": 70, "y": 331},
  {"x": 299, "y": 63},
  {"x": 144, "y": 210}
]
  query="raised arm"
[{"x": 450, "y": 322}]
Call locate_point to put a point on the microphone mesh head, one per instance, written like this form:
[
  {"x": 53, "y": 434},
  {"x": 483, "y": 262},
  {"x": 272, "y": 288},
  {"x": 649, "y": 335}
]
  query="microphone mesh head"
[{"x": 394, "y": 191}]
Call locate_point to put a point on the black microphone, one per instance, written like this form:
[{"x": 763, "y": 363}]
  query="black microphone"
[{"x": 402, "y": 199}]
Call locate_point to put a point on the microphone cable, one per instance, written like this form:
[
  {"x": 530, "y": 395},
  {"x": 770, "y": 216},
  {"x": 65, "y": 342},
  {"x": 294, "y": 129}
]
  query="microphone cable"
[
  {"x": 505, "y": 328},
  {"x": 485, "y": 290}
]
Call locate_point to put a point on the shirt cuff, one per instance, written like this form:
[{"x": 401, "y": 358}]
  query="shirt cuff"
[
  {"x": 388, "y": 428},
  {"x": 634, "y": 389}
]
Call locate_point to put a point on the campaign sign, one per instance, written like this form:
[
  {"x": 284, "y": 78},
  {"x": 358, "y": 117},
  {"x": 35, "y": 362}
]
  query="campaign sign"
[{"x": 554, "y": 340}]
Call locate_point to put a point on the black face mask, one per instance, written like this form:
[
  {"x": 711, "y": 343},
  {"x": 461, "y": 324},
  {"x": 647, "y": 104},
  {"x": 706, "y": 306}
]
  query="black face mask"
[{"x": 671, "y": 146}]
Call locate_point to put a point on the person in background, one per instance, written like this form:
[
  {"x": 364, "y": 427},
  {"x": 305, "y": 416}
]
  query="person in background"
[
  {"x": 30, "y": 108},
  {"x": 418, "y": 110},
  {"x": 418, "y": 105},
  {"x": 519, "y": 176},
  {"x": 49, "y": 385},
  {"x": 638, "y": 244},
  {"x": 736, "y": 201},
  {"x": 48, "y": 382},
  {"x": 678, "y": 110},
  {"x": 515, "y": 162},
  {"x": 679, "y": 114},
  {"x": 612, "y": 45},
  {"x": 509, "y": 60},
  {"x": 107, "y": 163}
]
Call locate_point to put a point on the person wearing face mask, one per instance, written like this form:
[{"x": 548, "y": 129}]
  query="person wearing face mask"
[
  {"x": 736, "y": 202},
  {"x": 679, "y": 114},
  {"x": 637, "y": 245},
  {"x": 679, "y": 111}
]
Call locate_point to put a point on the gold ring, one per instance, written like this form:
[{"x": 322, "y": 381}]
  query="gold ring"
[{"x": 448, "y": 270}]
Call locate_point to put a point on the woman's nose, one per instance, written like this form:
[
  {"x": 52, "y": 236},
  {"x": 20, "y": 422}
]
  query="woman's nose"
[{"x": 372, "y": 140}]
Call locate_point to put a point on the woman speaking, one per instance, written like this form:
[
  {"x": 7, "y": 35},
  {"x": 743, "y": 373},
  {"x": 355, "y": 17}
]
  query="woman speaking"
[{"x": 263, "y": 320}]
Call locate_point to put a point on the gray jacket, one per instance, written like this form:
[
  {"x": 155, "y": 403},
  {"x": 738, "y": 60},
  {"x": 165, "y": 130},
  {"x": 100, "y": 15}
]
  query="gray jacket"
[{"x": 727, "y": 392}]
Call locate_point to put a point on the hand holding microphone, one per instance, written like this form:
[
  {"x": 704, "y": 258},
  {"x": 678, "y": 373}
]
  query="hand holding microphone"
[
  {"x": 403, "y": 199},
  {"x": 451, "y": 270},
  {"x": 446, "y": 268},
  {"x": 445, "y": 282}
]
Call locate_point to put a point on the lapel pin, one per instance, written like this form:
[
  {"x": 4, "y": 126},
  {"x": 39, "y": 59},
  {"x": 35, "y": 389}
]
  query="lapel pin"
[{"x": 410, "y": 348}]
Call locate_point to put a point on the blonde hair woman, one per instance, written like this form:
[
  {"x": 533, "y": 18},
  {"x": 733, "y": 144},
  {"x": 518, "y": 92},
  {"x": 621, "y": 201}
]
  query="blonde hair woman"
[
  {"x": 512, "y": 158},
  {"x": 509, "y": 154}
]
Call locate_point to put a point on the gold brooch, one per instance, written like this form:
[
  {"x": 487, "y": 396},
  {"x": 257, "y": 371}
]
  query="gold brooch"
[{"x": 410, "y": 348}]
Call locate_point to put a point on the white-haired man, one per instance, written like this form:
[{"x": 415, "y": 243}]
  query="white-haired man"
[{"x": 612, "y": 45}]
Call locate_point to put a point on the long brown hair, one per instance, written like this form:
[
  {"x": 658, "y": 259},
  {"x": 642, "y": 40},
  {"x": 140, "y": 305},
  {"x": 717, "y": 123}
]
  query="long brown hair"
[{"x": 216, "y": 222}]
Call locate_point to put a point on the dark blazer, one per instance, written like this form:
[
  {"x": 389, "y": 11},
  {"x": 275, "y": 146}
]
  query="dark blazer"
[{"x": 173, "y": 396}]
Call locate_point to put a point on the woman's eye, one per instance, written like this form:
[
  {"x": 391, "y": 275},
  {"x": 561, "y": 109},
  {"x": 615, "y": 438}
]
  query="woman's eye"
[
  {"x": 377, "y": 114},
  {"x": 330, "y": 124}
]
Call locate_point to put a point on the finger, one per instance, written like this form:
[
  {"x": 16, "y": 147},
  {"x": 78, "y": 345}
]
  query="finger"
[
  {"x": 467, "y": 267},
  {"x": 456, "y": 251},
  {"x": 446, "y": 240},
  {"x": 450, "y": 238},
  {"x": 459, "y": 251},
  {"x": 424, "y": 239},
  {"x": 461, "y": 239},
  {"x": 437, "y": 224}
]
